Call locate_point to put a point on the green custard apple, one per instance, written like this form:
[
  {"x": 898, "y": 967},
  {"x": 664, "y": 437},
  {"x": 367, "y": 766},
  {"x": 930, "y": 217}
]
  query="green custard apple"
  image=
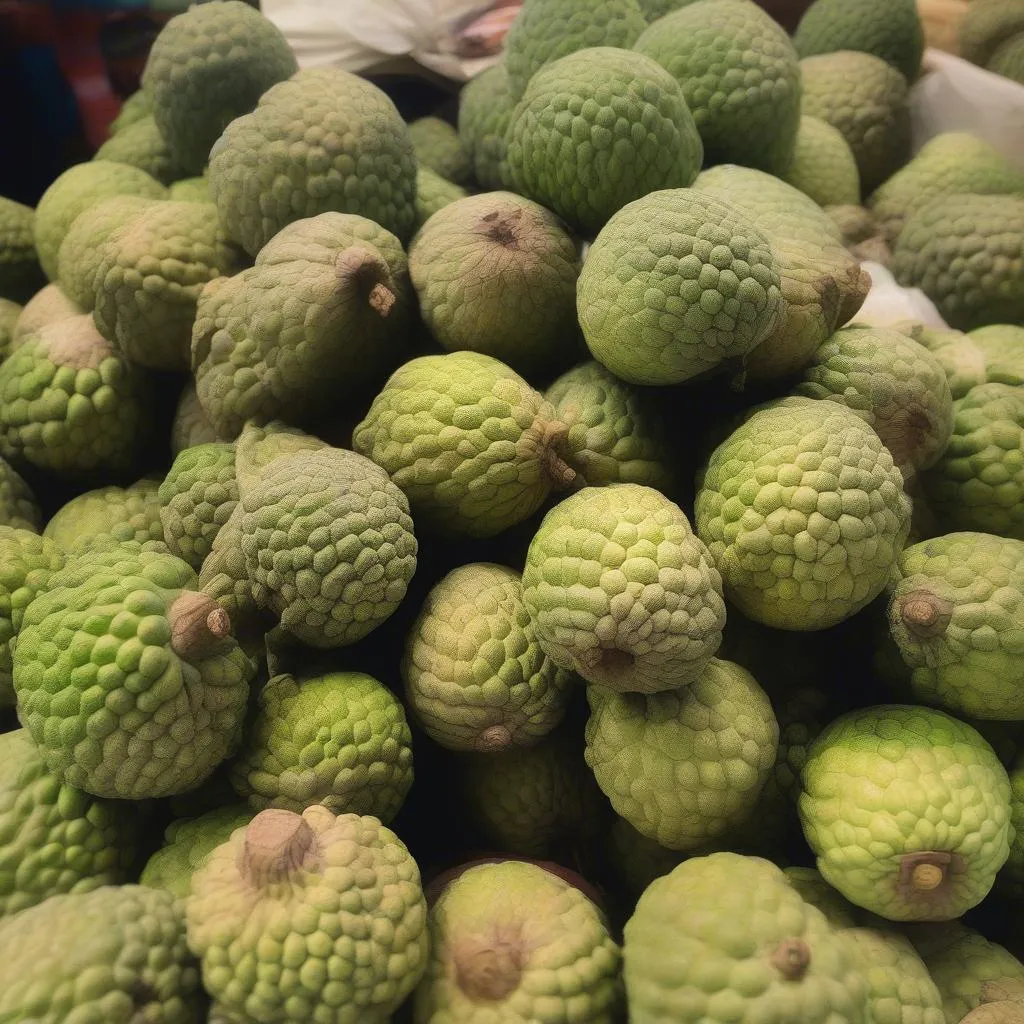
[
  {"x": 622, "y": 592},
  {"x": 117, "y": 954},
  {"x": 513, "y": 939},
  {"x": 55, "y": 838},
  {"x": 617, "y": 432},
  {"x": 434, "y": 193},
  {"x": 907, "y": 811},
  {"x": 339, "y": 739},
  {"x": 438, "y": 147},
  {"x": 47, "y": 306},
  {"x": 18, "y": 506},
  {"x": 333, "y": 140},
  {"x": 546, "y": 30},
  {"x": 208, "y": 66},
  {"x": 474, "y": 447},
  {"x": 740, "y": 76},
  {"x": 134, "y": 107},
  {"x": 128, "y": 678},
  {"x": 700, "y": 292},
  {"x": 475, "y": 675},
  {"x": 965, "y": 253},
  {"x": 823, "y": 166},
  {"x": 141, "y": 145},
  {"x": 71, "y": 405},
  {"x": 74, "y": 191},
  {"x": 108, "y": 514},
  {"x": 496, "y": 273},
  {"x": 595, "y": 131},
  {"x": 196, "y": 499},
  {"x": 309, "y": 917},
  {"x": 815, "y": 890},
  {"x": 658, "y": 756},
  {"x": 726, "y": 938},
  {"x": 187, "y": 844},
  {"x": 978, "y": 481},
  {"x": 804, "y": 514},
  {"x": 27, "y": 561},
  {"x": 485, "y": 109},
  {"x": 956, "y": 616},
  {"x": 20, "y": 273}
]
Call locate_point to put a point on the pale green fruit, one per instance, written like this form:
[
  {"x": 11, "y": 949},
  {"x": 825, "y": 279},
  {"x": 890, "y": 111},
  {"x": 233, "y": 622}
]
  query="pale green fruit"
[
  {"x": 622, "y": 592},
  {"x": 907, "y": 811}
]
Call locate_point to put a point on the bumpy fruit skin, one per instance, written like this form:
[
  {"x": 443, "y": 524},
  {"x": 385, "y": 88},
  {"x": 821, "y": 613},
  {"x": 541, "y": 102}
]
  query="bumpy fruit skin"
[
  {"x": 891, "y": 790},
  {"x": 964, "y": 252},
  {"x": 438, "y": 147},
  {"x": 81, "y": 251},
  {"x": 866, "y": 99},
  {"x": 338, "y": 142},
  {"x": 339, "y": 739},
  {"x": 622, "y": 592},
  {"x": 893, "y": 383},
  {"x": 568, "y": 968},
  {"x": 319, "y": 320},
  {"x": 986, "y": 26},
  {"x": 900, "y": 990},
  {"x": 475, "y": 676},
  {"x": 823, "y": 166},
  {"x": 617, "y": 432},
  {"x": 815, "y": 890},
  {"x": 70, "y": 404},
  {"x": 660, "y": 308},
  {"x": 434, "y": 193},
  {"x": 741, "y": 78},
  {"x": 20, "y": 273},
  {"x": 530, "y": 800},
  {"x": 18, "y": 507},
  {"x": 804, "y": 514},
  {"x": 637, "y": 860},
  {"x": 47, "y": 306},
  {"x": 1011, "y": 879},
  {"x": 496, "y": 273},
  {"x": 141, "y": 145},
  {"x": 338, "y": 921},
  {"x": 187, "y": 844},
  {"x": 949, "y": 163},
  {"x": 889, "y": 30},
  {"x": 656, "y": 756},
  {"x": 76, "y": 190},
  {"x": 822, "y": 283},
  {"x": 597, "y": 130},
  {"x": 54, "y": 838},
  {"x": 149, "y": 277},
  {"x": 196, "y": 499},
  {"x": 964, "y": 967},
  {"x": 328, "y": 545},
  {"x": 725, "y": 938},
  {"x": 190, "y": 190},
  {"x": 485, "y": 109},
  {"x": 115, "y": 708},
  {"x": 1008, "y": 60},
  {"x": 546, "y": 30},
  {"x": 117, "y": 954},
  {"x": 474, "y": 447},
  {"x": 207, "y": 67},
  {"x": 978, "y": 483},
  {"x": 117, "y": 514},
  {"x": 956, "y": 614},
  {"x": 137, "y": 106},
  {"x": 191, "y": 425},
  {"x": 26, "y": 563},
  {"x": 9, "y": 313}
]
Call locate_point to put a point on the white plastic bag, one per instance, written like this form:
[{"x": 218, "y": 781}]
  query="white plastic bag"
[
  {"x": 954, "y": 95},
  {"x": 356, "y": 35},
  {"x": 887, "y": 303}
]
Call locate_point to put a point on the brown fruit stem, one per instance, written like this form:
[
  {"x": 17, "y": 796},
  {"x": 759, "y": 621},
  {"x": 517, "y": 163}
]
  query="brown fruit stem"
[
  {"x": 924, "y": 613},
  {"x": 364, "y": 269},
  {"x": 927, "y": 872},
  {"x": 488, "y": 969},
  {"x": 277, "y": 843},
  {"x": 791, "y": 959},
  {"x": 554, "y": 438},
  {"x": 1005, "y": 1011},
  {"x": 494, "y": 737},
  {"x": 199, "y": 625}
]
